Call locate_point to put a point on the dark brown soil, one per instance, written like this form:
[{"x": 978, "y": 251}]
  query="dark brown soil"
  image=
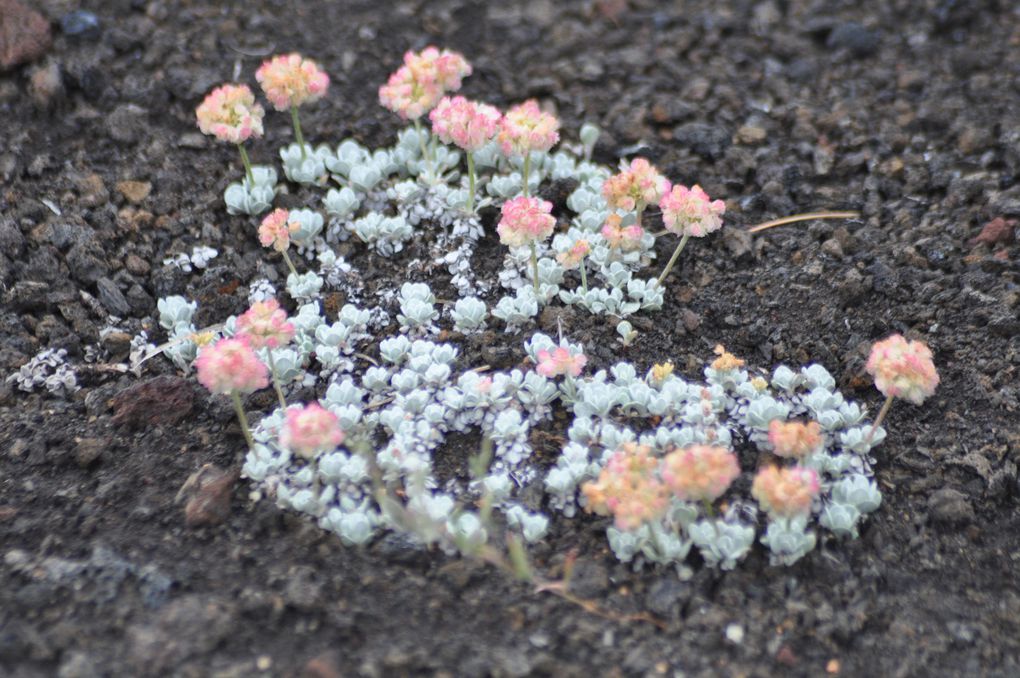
[{"x": 907, "y": 112}]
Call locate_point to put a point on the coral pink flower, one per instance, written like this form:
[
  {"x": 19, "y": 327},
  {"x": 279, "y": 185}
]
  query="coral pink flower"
[
  {"x": 446, "y": 67},
  {"x": 310, "y": 430},
  {"x": 795, "y": 439},
  {"x": 560, "y": 361},
  {"x": 526, "y": 128},
  {"x": 231, "y": 365},
  {"x": 416, "y": 87},
  {"x": 230, "y": 113},
  {"x": 903, "y": 369},
  {"x": 628, "y": 489},
  {"x": 468, "y": 124},
  {"x": 636, "y": 187},
  {"x": 689, "y": 211},
  {"x": 290, "y": 80},
  {"x": 265, "y": 324},
  {"x": 275, "y": 230},
  {"x": 700, "y": 472},
  {"x": 785, "y": 492},
  {"x": 626, "y": 238},
  {"x": 525, "y": 221},
  {"x": 573, "y": 257}
]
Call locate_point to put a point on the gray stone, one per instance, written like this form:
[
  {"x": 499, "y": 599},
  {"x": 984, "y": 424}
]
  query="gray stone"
[{"x": 112, "y": 298}]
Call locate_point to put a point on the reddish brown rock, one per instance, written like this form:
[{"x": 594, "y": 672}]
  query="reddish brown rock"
[
  {"x": 24, "y": 34},
  {"x": 210, "y": 499},
  {"x": 998, "y": 230},
  {"x": 163, "y": 400}
]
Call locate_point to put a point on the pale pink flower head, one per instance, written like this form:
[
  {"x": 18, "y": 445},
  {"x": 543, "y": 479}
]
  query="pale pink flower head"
[
  {"x": 628, "y": 488},
  {"x": 626, "y": 238},
  {"x": 525, "y": 128},
  {"x": 310, "y": 430},
  {"x": 276, "y": 229},
  {"x": 230, "y": 365},
  {"x": 785, "y": 492},
  {"x": 468, "y": 124},
  {"x": 795, "y": 439},
  {"x": 290, "y": 80},
  {"x": 700, "y": 472},
  {"x": 525, "y": 220},
  {"x": 408, "y": 96},
  {"x": 636, "y": 187},
  {"x": 560, "y": 361},
  {"x": 903, "y": 369},
  {"x": 265, "y": 325},
  {"x": 689, "y": 211},
  {"x": 230, "y": 113},
  {"x": 446, "y": 67},
  {"x": 416, "y": 88},
  {"x": 573, "y": 257}
]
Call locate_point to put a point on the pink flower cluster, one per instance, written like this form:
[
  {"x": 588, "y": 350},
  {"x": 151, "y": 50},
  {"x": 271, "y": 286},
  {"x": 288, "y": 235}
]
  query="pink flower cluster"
[
  {"x": 689, "y": 211},
  {"x": 231, "y": 365},
  {"x": 275, "y": 230},
  {"x": 310, "y": 430},
  {"x": 700, "y": 472},
  {"x": 265, "y": 324},
  {"x": 785, "y": 492},
  {"x": 573, "y": 257},
  {"x": 416, "y": 87},
  {"x": 903, "y": 369},
  {"x": 230, "y": 113},
  {"x": 524, "y": 221},
  {"x": 525, "y": 128},
  {"x": 290, "y": 80},
  {"x": 795, "y": 439},
  {"x": 626, "y": 238},
  {"x": 560, "y": 361},
  {"x": 628, "y": 488},
  {"x": 635, "y": 187},
  {"x": 468, "y": 124}
]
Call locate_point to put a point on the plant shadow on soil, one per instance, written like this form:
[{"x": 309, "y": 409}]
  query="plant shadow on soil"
[{"x": 776, "y": 107}]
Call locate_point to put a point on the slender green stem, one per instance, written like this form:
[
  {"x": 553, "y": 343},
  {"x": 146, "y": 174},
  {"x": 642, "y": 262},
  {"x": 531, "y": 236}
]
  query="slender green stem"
[
  {"x": 247, "y": 165},
  {"x": 297, "y": 131},
  {"x": 534, "y": 265},
  {"x": 290, "y": 264},
  {"x": 276, "y": 380},
  {"x": 881, "y": 416},
  {"x": 424, "y": 149},
  {"x": 242, "y": 418},
  {"x": 676, "y": 255},
  {"x": 709, "y": 509},
  {"x": 640, "y": 212},
  {"x": 471, "y": 181},
  {"x": 584, "y": 276},
  {"x": 526, "y": 171}
]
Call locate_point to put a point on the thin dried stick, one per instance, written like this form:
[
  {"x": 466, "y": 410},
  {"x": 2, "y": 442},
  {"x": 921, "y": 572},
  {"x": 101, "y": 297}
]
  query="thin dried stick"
[{"x": 809, "y": 216}]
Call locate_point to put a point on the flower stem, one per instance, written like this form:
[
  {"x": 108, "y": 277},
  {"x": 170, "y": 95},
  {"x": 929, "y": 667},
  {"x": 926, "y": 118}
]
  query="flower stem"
[
  {"x": 276, "y": 380},
  {"x": 534, "y": 265},
  {"x": 709, "y": 509},
  {"x": 526, "y": 171},
  {"x": 471, "y": 181},
  {"x": 881, "y": 416},
  {"x": 290, "y": 264},
  {"x": 584, "y": 277},
  {"x": 424, "y": 149},
  {"x": 243, "y": 418},
  {"x": 640, "y": 212},
  {"x": 676, "y": 255},
  {"x": 247, "y": 165},
  {"x": 297, "y": 131}
]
